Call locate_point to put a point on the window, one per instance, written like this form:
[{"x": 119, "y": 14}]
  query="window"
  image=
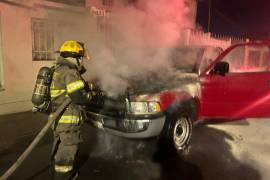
[
  {"x": 107, "y": 2},
  {"x": 71, "y": 2},
  {"x": 42, "y": 40},
  {"x": 254, "y": 59},
  {"x": 266, "y": 59},
  {"x": 209, "y": 54},
  {"x": 248, "y": 59},
  {"x": 186, "y": 59},
  {"x": 235, "y": 58}
]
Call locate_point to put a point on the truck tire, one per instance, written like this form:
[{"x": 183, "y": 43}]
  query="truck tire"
[
  {"x": 180, "y": 131},
  {"x": 179, "y": 125}
]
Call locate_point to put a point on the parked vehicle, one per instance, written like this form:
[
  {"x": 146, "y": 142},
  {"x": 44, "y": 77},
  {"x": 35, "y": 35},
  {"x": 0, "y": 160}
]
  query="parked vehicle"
[{"x": 234, "y": 85}]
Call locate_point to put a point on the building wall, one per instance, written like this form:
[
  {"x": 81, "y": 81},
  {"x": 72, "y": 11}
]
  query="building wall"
[{"x": 19, "y": 71}]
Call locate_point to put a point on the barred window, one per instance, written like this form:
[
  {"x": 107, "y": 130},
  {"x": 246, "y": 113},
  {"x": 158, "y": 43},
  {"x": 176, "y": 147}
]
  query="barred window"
[
  {"x": 107, "y": 2},
  {"x": 42, "y": 40}
]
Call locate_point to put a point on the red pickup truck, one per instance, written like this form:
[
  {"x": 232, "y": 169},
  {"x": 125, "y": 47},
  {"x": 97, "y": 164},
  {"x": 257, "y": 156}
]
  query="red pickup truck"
[{"x": 236, "y": 84}]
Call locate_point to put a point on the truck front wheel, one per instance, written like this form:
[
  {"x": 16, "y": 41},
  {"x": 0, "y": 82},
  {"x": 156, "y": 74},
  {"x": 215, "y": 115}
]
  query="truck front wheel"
[
  {"x": 181, "y": 131},
  {"x": 179, "y": 125}
]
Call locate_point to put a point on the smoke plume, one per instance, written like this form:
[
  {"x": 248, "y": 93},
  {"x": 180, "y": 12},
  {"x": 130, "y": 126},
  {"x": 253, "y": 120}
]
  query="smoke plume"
[
  {"x": 134, "y": 41},
  {"x": 140, "y": 39}
]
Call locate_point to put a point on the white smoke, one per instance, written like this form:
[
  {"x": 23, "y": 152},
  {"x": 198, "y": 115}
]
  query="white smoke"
[
  {"x": 137, "y": 39},
  {"x": 140, "y": 42}
]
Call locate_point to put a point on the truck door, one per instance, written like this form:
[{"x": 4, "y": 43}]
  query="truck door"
[{"x": 242, "y": 92}]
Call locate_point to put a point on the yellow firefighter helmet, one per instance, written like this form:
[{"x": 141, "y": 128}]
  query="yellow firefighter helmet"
[{"x": 72, "y": 48}]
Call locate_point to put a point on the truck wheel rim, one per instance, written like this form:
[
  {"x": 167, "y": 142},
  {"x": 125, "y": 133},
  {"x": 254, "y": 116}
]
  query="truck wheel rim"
[{"x": 181, "y": 132}]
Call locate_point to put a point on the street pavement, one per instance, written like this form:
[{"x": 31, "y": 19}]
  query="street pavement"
[{"x": 219, "y": 151}]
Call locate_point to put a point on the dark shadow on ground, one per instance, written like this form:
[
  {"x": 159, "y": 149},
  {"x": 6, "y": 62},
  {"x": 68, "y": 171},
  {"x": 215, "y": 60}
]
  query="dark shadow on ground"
[
  {"x": 36, "y": 165},
  {"x": 17, "y": 129},
  {"x": 240, "y": 122},
  {"x": 112, "y": 157},
  {"x": 210, "y": 158},
  {"x": 40, "y": 172},
  {"x": 211, "y": 151},
  {"x": 173, "y": 167}
]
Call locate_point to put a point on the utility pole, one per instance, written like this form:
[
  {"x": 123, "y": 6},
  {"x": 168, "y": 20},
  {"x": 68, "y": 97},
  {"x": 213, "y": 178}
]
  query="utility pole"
[{"x": 209, "y": 14}]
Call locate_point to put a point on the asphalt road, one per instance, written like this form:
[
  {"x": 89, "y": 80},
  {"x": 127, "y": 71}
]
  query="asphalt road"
[{"x": 221, "y": 151}]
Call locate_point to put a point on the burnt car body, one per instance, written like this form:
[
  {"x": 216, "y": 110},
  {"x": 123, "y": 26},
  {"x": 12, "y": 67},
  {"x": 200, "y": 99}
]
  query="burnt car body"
[{"x": 205, "y": 83}]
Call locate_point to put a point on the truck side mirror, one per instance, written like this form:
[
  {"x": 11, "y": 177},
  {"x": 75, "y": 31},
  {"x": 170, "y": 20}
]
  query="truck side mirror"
[{"x": 221, "y": 68}]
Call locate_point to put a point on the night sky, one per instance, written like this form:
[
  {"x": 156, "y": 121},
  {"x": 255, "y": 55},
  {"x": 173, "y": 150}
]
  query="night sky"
[{"x": 243, "y": 18}]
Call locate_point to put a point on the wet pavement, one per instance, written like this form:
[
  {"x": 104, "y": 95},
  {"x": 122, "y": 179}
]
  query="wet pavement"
[{"x": 218, "y": 152}]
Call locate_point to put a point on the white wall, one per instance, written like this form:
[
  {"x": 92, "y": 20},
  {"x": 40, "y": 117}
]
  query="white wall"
[{"x": 19, "y": 71}]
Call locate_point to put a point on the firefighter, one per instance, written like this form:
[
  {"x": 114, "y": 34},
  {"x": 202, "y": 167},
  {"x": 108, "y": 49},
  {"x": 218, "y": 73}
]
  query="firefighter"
[{"x": 68, "y": 83}]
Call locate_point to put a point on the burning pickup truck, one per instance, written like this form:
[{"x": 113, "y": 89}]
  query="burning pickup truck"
[{"x": 231, "y": 84}]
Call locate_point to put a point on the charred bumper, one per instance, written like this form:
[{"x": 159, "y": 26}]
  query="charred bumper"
[{"x": 129, "y": 126}]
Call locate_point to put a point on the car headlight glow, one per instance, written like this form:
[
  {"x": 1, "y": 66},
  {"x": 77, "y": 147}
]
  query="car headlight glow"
[{"x": 141, "y": 108}]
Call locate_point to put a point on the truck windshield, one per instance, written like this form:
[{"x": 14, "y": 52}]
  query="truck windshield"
[
  {"x": 194, "y": 59},
  {"x": 187, "y": 59}
]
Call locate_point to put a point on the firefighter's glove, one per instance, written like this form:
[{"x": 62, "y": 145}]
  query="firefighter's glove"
[
  {"x": 89, "y": 96},
  {"x": 92, "y": 86},
  {"x": 98, "y": 98},
  {"x": 93, "y": 93}
]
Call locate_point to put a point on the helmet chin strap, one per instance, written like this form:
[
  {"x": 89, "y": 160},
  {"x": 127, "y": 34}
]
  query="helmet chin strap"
[
  {"x": 81, "y": 68},
  {"x": 78, "y": 62}
]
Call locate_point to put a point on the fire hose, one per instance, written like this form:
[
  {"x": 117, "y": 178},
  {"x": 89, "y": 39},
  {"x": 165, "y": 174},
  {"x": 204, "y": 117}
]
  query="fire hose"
[{"x": 40, "y": 135}]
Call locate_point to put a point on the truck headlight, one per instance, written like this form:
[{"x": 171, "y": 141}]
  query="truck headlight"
[{"x": 141, "y": 108}]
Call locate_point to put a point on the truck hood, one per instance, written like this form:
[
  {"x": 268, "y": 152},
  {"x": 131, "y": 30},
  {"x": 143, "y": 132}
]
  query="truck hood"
[
  {"x": 156, "y": 84},
  {"x": 147, "y": 89}
]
